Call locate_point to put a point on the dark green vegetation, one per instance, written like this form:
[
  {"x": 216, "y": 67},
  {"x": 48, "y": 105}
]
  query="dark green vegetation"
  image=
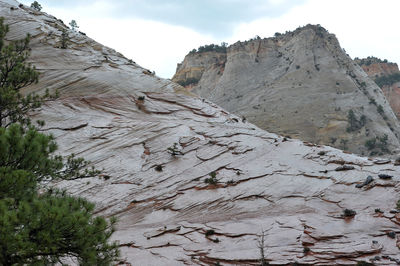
[
  {"x": 349, "y": 213},
  {"x": 188, "y": 81},
  {"x": 370, "y": 60},
  {"x": 210, "y": 232},
  {"x": 377, "y": 144},
  {"x": 174, "y": 150},
  {"x": 212, "y": 180},
  {"x": 382, "y": 80},
  {"x": 211, "y": 48},
  {"x": 35, "y": 5},
  {"x": 15, "y": 74},
  {"x": 38, "y": 225},
  {"x": 354, "y": 123},
  {"x": 387, "y": 80}
]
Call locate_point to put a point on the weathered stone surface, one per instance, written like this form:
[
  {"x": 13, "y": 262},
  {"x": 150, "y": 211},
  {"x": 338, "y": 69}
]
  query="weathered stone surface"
[
  {"x": 300, "y": 84},
  {"x": 378, "y": 68},
  {"x": 284, "y": 187}
]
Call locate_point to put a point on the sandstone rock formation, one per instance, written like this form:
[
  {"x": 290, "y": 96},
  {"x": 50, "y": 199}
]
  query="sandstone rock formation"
[
  {"x": 379, "y": 70},
  {"x": 296, "y": 193},
  {"x": 300, "y": 84}
]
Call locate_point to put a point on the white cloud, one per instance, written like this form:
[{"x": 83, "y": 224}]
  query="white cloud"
[
  {"x": 153, "y": 45},
  {"x": 363, "y": 27}
]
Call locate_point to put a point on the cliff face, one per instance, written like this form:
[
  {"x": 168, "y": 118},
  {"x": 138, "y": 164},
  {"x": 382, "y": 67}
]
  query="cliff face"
[
  {"x": 299, "y": 84},
  {"x": 293, "y": 191},
  {"x": 376, "y": 70},
  {"x": 387, "y": 76}
]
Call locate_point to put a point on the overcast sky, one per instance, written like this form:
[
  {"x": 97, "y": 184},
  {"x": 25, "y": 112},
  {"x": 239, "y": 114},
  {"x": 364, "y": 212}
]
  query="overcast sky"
[{"x": 157, "y": 34}]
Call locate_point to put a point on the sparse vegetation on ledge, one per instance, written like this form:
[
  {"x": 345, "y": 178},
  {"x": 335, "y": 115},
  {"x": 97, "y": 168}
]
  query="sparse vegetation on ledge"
[
  {"x": 387, "y": 80},
  {"x": 188, "y": 81},
  {"x": 370, "y": 60},
  {"x": 211, "y": 48},
  {"x": 354, "y": 123},
  {"x": 377, "y": 143},
  {"x": 212, "y": 180}
]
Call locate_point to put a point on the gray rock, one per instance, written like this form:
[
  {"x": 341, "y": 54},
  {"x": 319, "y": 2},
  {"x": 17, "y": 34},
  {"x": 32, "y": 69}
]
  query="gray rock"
[
  {"x": 302, "y": 84},
  {"x": 282, "y": 188}
]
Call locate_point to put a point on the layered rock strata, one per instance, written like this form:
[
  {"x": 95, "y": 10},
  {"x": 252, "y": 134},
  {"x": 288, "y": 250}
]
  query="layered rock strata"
[
  {"x": 387, "y": 76},
  {"x": 229, "y": 181}
]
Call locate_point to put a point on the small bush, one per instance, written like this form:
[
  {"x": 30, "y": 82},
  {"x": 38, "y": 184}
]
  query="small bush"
[
  {"x": 372, "y": 101},
  {"x": 212, "y": 180},
  {"x": 213, "y": 174},
  {"x": 210, "y": 232},
  {"x": 380, "y": 109},
  {"x": 349, "y": 213},
  {"x": 391, "y": 234},
  {"x": 354, "y": 123},
  {"x": 158, "y": 168},
  {"x": 36, "y": 6},
  {"x": 379, "y": 143},
  {"x": 174, "y": 150},
  {"x": 141, "y": 98},
  {"x": 188, "y": 81}
]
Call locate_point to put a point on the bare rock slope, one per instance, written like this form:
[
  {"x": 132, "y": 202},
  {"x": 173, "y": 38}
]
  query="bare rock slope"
[
  {"x": 300, "y": 84},
  {"x": 297, "y": 193}
]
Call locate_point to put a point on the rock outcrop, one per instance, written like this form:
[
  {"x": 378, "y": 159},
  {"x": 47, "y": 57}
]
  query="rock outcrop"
[
  {"x": 300, "y": 84},
  {"x": 227, "y": 184},
  {"x": 387, "y": 77},
  {"x": 375, "y": 67}
]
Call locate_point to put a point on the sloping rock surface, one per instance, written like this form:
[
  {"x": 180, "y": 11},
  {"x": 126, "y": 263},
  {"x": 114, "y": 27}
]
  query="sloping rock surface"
[
  {"x": 294, "y": 192},
  {"x": 300, "y": 84},
  {"x": 379, "y": 69}
]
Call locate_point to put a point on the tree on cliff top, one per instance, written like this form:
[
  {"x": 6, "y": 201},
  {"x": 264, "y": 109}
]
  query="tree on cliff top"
[
  {"x": 35, "y": 5},
  {"x": 39, "y": 225}
]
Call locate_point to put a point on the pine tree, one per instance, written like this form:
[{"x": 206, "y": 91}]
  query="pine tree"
[
  {"x": 15, "y": 74},
  {"x": 74, "y": 25},
  {"x": 49, "y": 226},
  {"x": 35, "y": 5}
]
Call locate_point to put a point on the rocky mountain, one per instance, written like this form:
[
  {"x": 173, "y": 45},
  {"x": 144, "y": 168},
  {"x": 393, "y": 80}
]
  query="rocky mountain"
[
  {"x": 300, "y": 84},
  {"x": 225, "y": 183},
  {"x": 387, "y": 76}
]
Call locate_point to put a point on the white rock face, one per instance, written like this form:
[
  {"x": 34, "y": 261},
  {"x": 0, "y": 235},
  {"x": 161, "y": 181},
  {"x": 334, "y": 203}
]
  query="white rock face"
[
  {"x": 300, "y": 84},
  {"x": 293, "y": 191}
]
